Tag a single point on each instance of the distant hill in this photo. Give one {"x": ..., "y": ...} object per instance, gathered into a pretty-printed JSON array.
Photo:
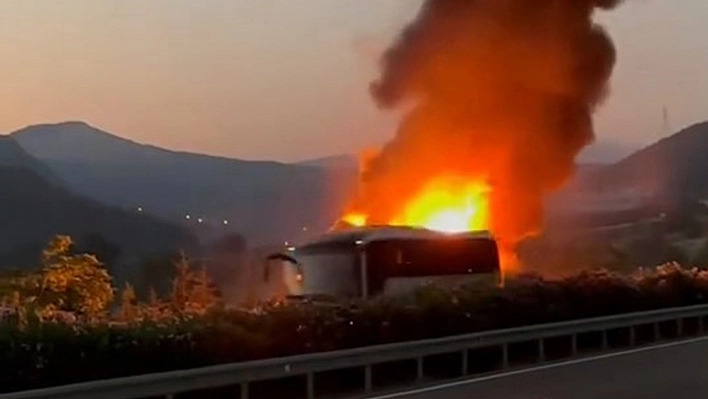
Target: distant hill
[
  {"x": 33, "y": 209},
  {"x": 35, "y": 205},
  {"x": 673, "y": 168},
  {"x": 265, "y": 201},
  {"x": 605, "y": 151},
  {"x": 13, "y": 155},
  {"x": 345, "y": 161},
  {"x": 668, "y": 176}
]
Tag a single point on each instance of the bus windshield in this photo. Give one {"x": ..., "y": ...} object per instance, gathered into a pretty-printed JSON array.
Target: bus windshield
[{"x": 330, "y": 273}]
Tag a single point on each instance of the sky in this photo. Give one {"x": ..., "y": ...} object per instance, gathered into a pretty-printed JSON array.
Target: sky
[{"x": 287, "y": 80}]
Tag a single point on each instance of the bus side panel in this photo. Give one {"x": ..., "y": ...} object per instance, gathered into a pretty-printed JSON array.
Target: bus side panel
[
  {"x": 400, "y": 263},
  {"x": 417, "y": 258}
]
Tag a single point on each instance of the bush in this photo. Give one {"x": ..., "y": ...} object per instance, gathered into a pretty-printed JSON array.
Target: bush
[{"x": 49, "y": 353}]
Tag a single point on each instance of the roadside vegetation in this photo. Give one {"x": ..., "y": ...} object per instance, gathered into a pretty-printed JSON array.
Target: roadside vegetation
[{"x": 66, "y": 322}]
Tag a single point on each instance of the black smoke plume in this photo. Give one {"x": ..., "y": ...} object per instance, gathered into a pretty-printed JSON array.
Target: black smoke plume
[{"x": 500, "y": 90}]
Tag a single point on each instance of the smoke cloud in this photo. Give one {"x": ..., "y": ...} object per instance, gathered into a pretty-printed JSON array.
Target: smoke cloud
[{"x": 500, "y": 90}]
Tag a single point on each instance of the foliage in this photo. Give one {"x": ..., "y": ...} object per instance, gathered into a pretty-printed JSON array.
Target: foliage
[
  {"x": 192, "y": 292},
  {"x": 12, "y": 281},
  {"x": 74, "y": 283},
  {"x": 129, "y": 309},
  {"x": 49, "y": 353},
  {"x": 67, "y": 285}
]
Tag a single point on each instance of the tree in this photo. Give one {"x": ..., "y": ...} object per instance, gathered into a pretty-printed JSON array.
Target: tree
[
  {"x": 73, "y": 282},
  {"x": 128, "y": 304},
  {"x": 204, "y": 293},
  {"x": 12, "y": 281},
  {"x": 192, "y": 292}
]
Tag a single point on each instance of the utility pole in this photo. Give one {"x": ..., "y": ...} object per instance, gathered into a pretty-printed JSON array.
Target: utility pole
[{"x": 666, "y": 129}]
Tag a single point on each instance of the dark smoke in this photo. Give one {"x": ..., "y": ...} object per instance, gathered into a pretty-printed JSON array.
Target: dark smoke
[{"x": 504, "y": 90}]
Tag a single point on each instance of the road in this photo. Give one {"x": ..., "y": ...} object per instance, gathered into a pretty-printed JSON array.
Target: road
[{"x": 669, "y": 371}]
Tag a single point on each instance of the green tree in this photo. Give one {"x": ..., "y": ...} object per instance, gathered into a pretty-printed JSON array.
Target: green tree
[
  {"x": 204, "y": 293},
  {"x": 12, "y": 281},
  {"x": 129, "y": 309},
  {"x": 76, "y": 283},
  {"x": 192, "y": 292},
  {"x": 153, "y": 298}
]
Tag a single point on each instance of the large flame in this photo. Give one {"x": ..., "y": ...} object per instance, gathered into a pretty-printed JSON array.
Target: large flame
[
  {"x": 356, "y": 219},
  {"x": 448, "y": 206},
  {"x": 451, "y": 205},
  {"x": 497, "y": 92}
]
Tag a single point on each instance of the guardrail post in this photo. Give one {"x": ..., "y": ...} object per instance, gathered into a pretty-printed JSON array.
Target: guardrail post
[
  {"x": 465, "y": 362},
  {"x": 657, "y": 331},
  {"x": 310, "y": 385},
  {"x": 505, "y": 356},
  {"x": 604, "y": 344},
  {"x": 541, "y": 351},
  {"x": 632, "y": 336},
  {"x": 574, "y": 344},
  {"x": 368, "y": 379},
  {"x": 244, "y": 390},
  {"x": 679, "y": 327},
  {"x": 419, "y": 368}
]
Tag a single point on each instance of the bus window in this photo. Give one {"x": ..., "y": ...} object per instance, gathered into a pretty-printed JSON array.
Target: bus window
[
  {"x": 398, "y": 266},
  {"x": 418, "y": 258},
  {"x": 330, "y": 273}
]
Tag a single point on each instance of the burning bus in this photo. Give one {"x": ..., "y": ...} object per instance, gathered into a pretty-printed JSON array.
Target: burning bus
[{"x": 372, "y": 261}]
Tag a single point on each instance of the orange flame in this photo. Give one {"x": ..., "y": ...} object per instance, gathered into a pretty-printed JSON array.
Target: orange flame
[
  {"x": 355, "y": 219},
  {"x": 449, "y": 206},
  {"x": 445, "y": 204}
]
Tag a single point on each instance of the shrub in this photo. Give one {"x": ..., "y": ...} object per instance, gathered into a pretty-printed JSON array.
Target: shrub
[{"x": 58, "y": 352}]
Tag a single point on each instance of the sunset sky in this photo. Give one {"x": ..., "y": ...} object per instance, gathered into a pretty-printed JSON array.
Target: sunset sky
[{"x": 285, "y": 79}]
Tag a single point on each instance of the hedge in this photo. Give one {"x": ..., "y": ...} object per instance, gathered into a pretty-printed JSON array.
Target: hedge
[{"x": 52, "y": 353}]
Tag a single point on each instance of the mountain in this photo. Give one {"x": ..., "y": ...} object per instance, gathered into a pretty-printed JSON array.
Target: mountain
[
  {"x": 345, "y": 161},
  {"x": 667, "y": 176},
  {"x": 13, "y": 155},
  {"x": 672, "y": 168},
  {"x": 265, "y": 201},
  {"x": 605, "y": 151},
  {"x": 33, "y": 209}
]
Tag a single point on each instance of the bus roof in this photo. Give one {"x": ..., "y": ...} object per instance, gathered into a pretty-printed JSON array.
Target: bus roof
[{"x": 365, "y": 235}]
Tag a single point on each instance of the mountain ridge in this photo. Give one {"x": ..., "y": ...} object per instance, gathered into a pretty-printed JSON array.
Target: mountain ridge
[
  {"x": 33, "y": 209},
  {"x": 670, "y": 167},
  {"x": 34, "y": 139},
  {"x": 264, "y": 200},
  {"x": 13, "y": 155}
]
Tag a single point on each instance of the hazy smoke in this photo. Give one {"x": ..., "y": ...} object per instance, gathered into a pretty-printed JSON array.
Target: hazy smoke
[{"x": 498, "y": 89}]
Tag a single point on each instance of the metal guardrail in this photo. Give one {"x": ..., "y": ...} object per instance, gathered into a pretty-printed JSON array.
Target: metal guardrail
[{"x": 168, "y": 384}]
